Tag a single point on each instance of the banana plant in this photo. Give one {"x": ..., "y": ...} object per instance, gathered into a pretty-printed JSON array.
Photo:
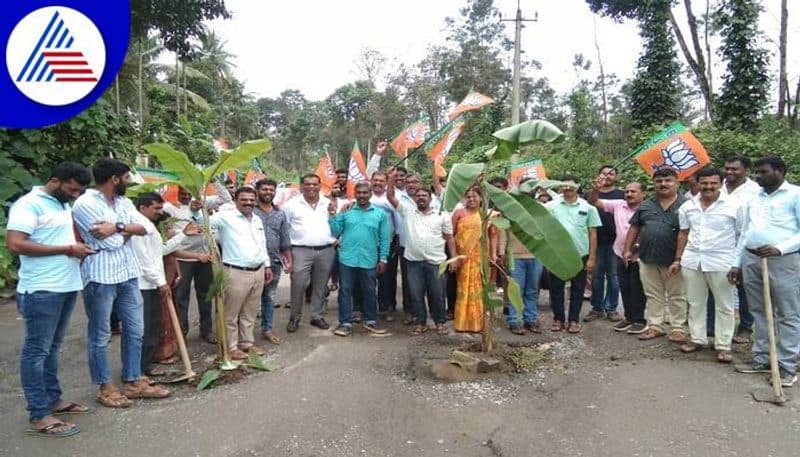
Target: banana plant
[
  {"x": 517, "y": 212},
  {"x": 195, "y": 181}
]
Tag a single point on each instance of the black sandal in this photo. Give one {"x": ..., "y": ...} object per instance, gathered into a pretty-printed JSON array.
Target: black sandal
[
  {"x": 74, "y": 408},
  {"x": 50, "y": 430}
]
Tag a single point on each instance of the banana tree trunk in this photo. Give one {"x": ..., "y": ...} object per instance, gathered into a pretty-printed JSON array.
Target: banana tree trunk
[
  {"x": 487, "y": 335},
  {"x": 219, "y": 302}
]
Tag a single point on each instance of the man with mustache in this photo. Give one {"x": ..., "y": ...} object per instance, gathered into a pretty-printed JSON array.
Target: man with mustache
[
  {"x": 387, "y": 281},
  {"x": 40, "y": 233},
  {"x": 363, "y": 232},
  {"x": 654, "y": 226},
  {"x": 771, "y": 229},
  {"x": 630, "y": 284},
  {"x": 106, "y": 220},
  {"x": 247, "y": 266}
]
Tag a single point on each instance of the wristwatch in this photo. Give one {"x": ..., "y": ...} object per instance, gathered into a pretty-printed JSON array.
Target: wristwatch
[{"x": 120, "y": 227}]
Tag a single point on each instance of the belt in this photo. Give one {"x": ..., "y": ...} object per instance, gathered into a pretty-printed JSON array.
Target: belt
[
  {"x": 237, "y": 267},
  {"x": 754, "y": 252},
  {"x": 313, "y": 248}
]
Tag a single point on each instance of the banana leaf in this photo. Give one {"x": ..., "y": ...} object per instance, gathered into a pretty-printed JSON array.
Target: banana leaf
[
  {"x": 461, "y": 177},
  {"x": 139, "y": 189},
  {"x": 240, "y": 157},
  {"x": 489, "y": 301},
  {"x": 511, "y": 138},
  {"x": 539, "y": 231},
  {"x": 208, "y": 378},
  {"x": 514, "y": 294},
  {"x": 177, "y": 162}
]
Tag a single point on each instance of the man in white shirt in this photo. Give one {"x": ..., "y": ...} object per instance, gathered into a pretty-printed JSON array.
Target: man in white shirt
[
  {"x": 196, "y": 268},
  {"x": 246, "y": 263},
  {"x": 313, "y": 251},
  {"x": 709, "y": 226},
  {"x": 150, "y": 250},
  {"x": 740, "y": 190}
]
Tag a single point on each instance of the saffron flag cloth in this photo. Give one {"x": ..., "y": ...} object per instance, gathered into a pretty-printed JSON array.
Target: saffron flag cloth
[
  {"x": 152, "y": 175},
  {"x": 530, "y": 170},
  {"x": 673, "y": 147},
  {"x": 445, "y": 141},
  {"x": 411, "y": 137},
  {"x": 472, "y": 101},
  {"x": 252, "y": 177},
  {"x": 326, "y": 173},
  {"x": 356, "y": 171}
]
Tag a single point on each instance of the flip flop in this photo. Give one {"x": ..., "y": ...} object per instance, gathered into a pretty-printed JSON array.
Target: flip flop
[
  {"x": 72, "y": 408},
  {"x": 49, "y": 431}
]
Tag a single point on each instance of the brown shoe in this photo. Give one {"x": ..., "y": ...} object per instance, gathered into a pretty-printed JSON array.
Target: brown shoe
[
  {"x": 574, "y": 327},
  {"x": 650, "y": 334},
  {"x": 678, "y": 336},
  {"x": 236, "y": 354},
  {"x": 110, "y": 397},
  {"x": 142, "y": 389},
  {"x": 592, "y": 316}
]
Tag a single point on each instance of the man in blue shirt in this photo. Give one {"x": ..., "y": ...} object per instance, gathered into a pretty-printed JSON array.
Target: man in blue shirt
[
  {"x": 363, "y": 233},
  {"x": 771, "y": 229},
  {"x": 40, "y": 232}
]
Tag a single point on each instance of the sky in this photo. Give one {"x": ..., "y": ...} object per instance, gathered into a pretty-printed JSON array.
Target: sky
[{"x": 313, "y": 45}]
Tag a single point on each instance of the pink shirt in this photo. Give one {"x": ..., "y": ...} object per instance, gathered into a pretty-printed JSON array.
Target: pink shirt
[{"x": 622, "y": 216}]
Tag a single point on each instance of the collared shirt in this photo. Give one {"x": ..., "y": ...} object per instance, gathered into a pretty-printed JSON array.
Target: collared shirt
[
  {"x": 114, "y": 261},
  {"x": 364, "y": 236},
  {"x": 382, "y": 202},
  {"x": 150, "y": 251},
  {"x": 621, "y": 213},
  {"x": 277, "y": 231},
  {"x": 742, "y": 194},
  {"x": 426, "y": 233},
  {"x": 577, "y": 217},
  {"x": 771, "y": 220},
  {"x": 185, "y": 214},
  {"x": 658, "y": 230},
  {"x": 243, "y": 241},
  {"x": 607, "y": 233},
  {"x": 46, "y": 221},
  {"x": 712, "y": 232},
  {"x": 410, "y": 204},
  {"x": 308, "y": 226}
]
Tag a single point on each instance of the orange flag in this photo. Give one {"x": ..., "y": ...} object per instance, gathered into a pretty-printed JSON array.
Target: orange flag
[
  {"x": 472, "y": 101},
  {"x": 326, "y": 173},
  {"x": 252, "y": 177},
  {"x": 532, "y": 169},
  {"x": 356, "y": 171},
  {"x": 443, "y": 145},
  {"x": 673, "y": 147},
  {"x": 412, "y": 137}
]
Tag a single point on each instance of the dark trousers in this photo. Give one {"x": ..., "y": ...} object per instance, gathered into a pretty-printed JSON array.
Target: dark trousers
[
  {"x": 633, "y": 298},
  {"x": 387, "y": 282},
  {"x": 449, "y": 284},
  {"x": 425, "y": 277},
  {"x": 408, "y": 301},
  {"x": 151, "y": 301},
  {"x": 363, "y": 279},
  {"x": 576, "y": 287},
  {"x": 202, "y": 275}
]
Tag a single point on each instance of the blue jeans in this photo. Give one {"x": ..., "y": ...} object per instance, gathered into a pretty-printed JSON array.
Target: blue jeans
[
  {"x": 126, "y": 299},
  {"x": 423, "y": 279},
  {"x": 605, "y": 282},
  {"x": 46, "y": 317},
  {"x": 527, "y": 273},
  {"x": 269, "y": 296},
  {"x": 366, "y": 280}
]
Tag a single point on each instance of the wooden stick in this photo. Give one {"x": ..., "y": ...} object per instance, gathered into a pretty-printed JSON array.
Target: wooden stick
[
  {"x": 187, "y": 364},
  {"x": 773, "y": 354}
]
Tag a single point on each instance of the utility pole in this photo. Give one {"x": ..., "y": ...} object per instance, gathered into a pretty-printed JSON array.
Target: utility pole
[{"x": 517, "y": 64}]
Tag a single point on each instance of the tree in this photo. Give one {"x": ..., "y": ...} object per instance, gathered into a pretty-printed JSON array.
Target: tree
[
  {"x": 784, "y": 95},
  {"x": 746, "y": 84},
  {"x": 697, "y": 62},
  {"x": 369, "y": 65},
  {"x": 176, "y": 21}
]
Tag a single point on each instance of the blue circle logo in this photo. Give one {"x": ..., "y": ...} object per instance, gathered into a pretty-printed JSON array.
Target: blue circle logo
[{"x": 59, "y": 58}]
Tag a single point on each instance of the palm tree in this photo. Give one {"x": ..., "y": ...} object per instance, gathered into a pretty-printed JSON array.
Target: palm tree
[{"x": 216, "y": 62}]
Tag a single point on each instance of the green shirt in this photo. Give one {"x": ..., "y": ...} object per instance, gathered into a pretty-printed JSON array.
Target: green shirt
[
  {"x": 363, "y": 236},
  {"x": 577, "y": 217}
]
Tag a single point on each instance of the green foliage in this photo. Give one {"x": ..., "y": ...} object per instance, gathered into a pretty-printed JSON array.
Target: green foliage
[
  {"x": 8, "y": 263},
  {"x": 523, "y": 134},
  {"x": 255, "y": 361},
  {"x": 176, "y": 21},
  {"x": 208, "y": 379},
  {"x": 514, "y": 294},
  {"x": 177, "y": 162},
  {"x": 461, "y": 177},
  {"x": 240, "y": 157},
  {"x": 744, "y": 95}
]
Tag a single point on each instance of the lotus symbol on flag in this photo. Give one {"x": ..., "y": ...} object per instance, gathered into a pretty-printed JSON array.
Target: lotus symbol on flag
[
  {"x": 531, "y": 173},
  {"x": 678, "y": 156}
]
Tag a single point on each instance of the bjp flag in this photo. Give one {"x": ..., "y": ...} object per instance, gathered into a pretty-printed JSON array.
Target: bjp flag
[
  {"x": 673, "y": 147},
  {"x": 447, "y": 138},
  {"x": 410, "y": 138},
  {"x": 169, "y": 192},
  {"x": 356, "y": 171},
  {"x": 472, "y": 101},
  {"x": 530, "y": 170},
  {"x": 326, "y": 173},
  {"x": 252, "y": 177}
]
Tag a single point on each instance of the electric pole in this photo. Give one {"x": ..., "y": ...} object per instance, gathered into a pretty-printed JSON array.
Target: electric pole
[{"x": 517, "y": 64}]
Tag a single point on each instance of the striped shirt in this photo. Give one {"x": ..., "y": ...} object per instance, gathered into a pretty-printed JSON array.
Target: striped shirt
[
  {"x": 46, "y": 221},
  {"x": 115, "y": 261}
]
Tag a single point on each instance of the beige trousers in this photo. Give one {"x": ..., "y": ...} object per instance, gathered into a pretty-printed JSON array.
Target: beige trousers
[
  {"x": 242, "y": 300},
  {"x": 698, "y": 284},
  {"x": 666, "y": 297}
]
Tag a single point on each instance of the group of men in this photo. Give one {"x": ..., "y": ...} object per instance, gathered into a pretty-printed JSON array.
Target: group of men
[{"x": 661, "y": 254}]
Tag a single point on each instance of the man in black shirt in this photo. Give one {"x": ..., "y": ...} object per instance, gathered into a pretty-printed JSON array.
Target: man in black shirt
[
  {"x": 655, "y": 225},
  {"x": 605, "y": 283}
]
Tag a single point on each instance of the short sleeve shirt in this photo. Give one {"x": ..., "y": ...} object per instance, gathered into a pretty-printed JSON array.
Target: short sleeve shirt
[
  {"x": 577, "y": 217},
  {"x": 658, "y": 230},
  {"x": 46, "y": 221}
]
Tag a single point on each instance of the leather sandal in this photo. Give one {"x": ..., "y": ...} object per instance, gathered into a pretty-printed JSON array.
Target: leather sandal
[
  {"x": 650, "y": 334},
  {"x": 724, "y": 356},
  {"x": 112, "y": 398},
  {"x": 557, "y": 326},
  {"x": 688, "y": 348}
]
